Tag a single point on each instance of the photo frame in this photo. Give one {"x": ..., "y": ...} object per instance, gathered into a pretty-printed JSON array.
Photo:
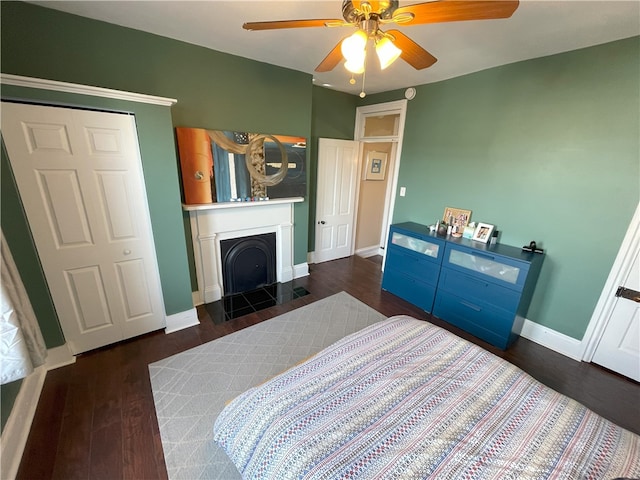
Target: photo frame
[
  {"x": 483, "y": 232},
  {"x": 456, "y": 217},
  {"x": 376, "y": 167}
]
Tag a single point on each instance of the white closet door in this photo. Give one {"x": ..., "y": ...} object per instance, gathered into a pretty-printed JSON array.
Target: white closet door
[{"x": 79, "y": 176}]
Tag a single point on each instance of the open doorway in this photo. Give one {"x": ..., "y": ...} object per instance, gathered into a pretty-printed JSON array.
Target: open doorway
[{"x": 379, "y": 130}]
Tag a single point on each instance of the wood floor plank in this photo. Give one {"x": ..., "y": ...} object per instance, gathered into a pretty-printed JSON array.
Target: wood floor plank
[
  {"x": 39, "y": 456},
  {"x": 96, "y": 418},
  {"x": 106, "y": 452}
]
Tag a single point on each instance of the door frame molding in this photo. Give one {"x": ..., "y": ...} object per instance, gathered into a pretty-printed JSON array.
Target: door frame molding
[
  {"x": 619, "y": 271},
  {"x": 386, "y": 108}
]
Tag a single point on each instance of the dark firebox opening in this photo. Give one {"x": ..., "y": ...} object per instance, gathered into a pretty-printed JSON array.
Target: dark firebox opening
[{"x": 248, "y": 262}]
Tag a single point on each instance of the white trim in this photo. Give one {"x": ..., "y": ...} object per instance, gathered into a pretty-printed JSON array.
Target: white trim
[
  {"x": 43, "y": 84},
  {"x": 556, "y": 341},
  {"x": 387, "y": 108},
  {"x": 311, "y": 258},
  {"x": 606, "y": 302},
  {"x": 59, "y": 357},
  {"x": 300, "y": 270},
  {"x": 16, "y": 431},
  {"x": 367, "y": 252},
  {"x": 182, "y": 320},
  {"x": 197, "y": 298},
  {"x": 221, "y": 205}
]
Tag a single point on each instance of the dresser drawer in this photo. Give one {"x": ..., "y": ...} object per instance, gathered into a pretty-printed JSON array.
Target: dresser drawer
[
  {"x": 478, "y": 290},
  {"x": 420, "y": 268},
  {"x": 490, "y": 324},
  {"x": 412, "y": 290},
  {"x": 489, "y": 266},
  {"x": 421, "y": 246}
]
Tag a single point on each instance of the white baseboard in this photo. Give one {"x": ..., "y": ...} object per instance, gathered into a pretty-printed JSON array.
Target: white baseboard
[
  {"x": 197, "y": 298},
  {"x": 367, "y": 252},
  {"x": 16, "y": 430},
  {"x": 556, "y": 341},
  {"x": 300, "y": 270},
  {"x": 181, "y": 320},
  {"x": 59, "y": 357}
]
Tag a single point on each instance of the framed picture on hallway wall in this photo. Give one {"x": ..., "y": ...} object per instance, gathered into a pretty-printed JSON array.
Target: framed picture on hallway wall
[{"x": 376, "y": 167}]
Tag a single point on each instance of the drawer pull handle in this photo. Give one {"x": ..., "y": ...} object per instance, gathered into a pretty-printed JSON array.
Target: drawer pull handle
[
  {"x": 484, "y": 255},
  {"x": 471, "y": 306},
  {"x": 479, "y": 282}
]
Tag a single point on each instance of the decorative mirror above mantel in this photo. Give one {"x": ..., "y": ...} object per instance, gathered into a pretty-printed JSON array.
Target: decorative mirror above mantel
[{"x": 228, "y": 167}]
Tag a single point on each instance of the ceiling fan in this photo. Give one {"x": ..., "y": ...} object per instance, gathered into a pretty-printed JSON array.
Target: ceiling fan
[{"x": 370, "y": 15}]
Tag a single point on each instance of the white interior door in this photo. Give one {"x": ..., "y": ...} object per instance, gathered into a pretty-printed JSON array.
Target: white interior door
[
  {"x": 79, "y": 176},
  {"x": 336, "y": 198},
  {"x": 619, "y": 347}
]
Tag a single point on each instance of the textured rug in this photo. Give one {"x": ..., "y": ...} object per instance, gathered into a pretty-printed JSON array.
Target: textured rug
[{"x": 191, "y": 388}]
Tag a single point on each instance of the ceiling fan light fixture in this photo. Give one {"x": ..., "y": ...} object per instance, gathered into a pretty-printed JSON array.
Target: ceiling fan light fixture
[
  {"x": 354, "y": 51},
  {"x": 354, "y": 45},
  {"x": 387, "y": 52},
  {"x": 355, "y": 65}
]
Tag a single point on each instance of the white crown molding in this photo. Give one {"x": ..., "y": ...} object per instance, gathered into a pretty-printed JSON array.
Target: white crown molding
[{"x": 43, "y": 84}]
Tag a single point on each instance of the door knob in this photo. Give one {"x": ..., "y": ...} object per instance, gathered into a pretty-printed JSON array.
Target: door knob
[
  {"x": 322, "y": 222},
  {"x": 126, "y": 251}
]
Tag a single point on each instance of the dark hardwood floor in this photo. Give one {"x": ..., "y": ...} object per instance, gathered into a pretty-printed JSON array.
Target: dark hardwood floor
[{"x": 96, "y": 418}]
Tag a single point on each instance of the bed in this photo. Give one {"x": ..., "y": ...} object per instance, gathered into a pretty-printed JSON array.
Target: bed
[{"x": 405, "y": 399}]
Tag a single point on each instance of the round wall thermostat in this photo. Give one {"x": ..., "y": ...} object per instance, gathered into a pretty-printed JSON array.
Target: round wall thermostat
[{"x": 410, "y": 93}]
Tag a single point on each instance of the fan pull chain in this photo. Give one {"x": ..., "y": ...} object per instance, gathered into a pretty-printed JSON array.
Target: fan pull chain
[{"x": 362, "y": 94}]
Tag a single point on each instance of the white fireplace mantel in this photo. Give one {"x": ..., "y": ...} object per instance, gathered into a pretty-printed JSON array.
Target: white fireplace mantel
[{"x": 212, "y": 223}]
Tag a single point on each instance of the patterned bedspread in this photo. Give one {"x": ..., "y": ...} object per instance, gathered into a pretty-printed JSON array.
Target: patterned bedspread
[{"x": 405, "y": 399}]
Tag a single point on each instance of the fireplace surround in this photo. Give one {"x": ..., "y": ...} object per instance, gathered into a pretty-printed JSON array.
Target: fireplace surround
[{"x": 212, "y": 223}]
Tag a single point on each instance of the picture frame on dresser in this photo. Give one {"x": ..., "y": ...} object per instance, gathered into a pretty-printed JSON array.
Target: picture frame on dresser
[
  {"x": 456, "y": 217},
  {"x": 482, "y": 232}
]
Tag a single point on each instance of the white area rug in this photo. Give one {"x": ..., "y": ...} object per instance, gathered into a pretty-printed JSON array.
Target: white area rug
[{"x": 191, "y": 388}]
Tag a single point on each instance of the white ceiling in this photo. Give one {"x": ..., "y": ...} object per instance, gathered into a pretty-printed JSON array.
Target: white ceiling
[{"x": 538, "y": 28}]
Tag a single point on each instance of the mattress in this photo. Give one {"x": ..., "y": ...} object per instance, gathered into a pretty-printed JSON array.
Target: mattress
[{"x": 406, "y": 399}]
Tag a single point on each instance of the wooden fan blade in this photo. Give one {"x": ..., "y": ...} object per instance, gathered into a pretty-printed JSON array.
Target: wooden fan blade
[
  {"x": 331, "y": 60},
  {"x": 458, "y": 10},
  {"x": 289, "y": 24},
  {"x": 412, "y": 53}
]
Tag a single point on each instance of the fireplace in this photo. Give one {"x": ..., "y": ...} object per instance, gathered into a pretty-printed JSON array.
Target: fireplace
[
  {"x": 248, "y": 263},
  {"x": 213, "y": 224}
]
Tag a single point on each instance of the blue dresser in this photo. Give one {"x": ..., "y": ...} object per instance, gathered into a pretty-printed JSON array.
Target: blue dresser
[
  {"x": 481, "y": 288},
  {"x": 413, "y": 262}
]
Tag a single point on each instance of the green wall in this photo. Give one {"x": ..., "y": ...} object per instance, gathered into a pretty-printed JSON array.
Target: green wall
[
  {"x": 547, "y": 150},
  {"x": 213, "y": 90}
]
